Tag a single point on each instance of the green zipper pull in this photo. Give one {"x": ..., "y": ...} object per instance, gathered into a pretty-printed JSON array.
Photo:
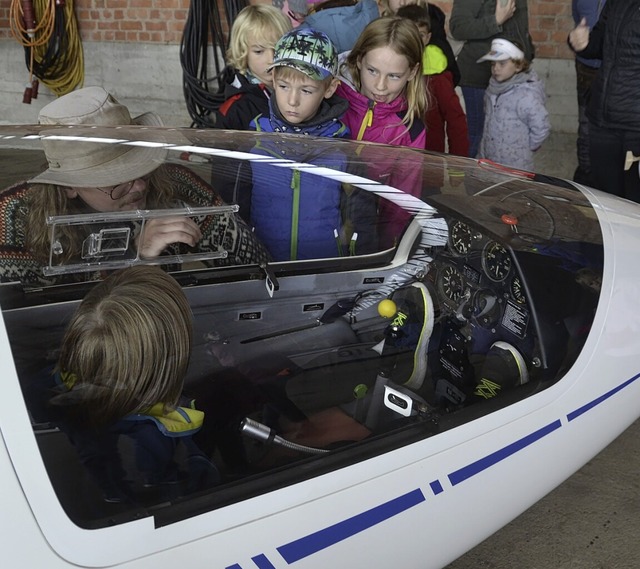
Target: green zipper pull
[{"x": 295, "y": 213}]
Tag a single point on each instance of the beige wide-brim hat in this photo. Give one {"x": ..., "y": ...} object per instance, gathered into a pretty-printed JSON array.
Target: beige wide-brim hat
[{"x": 80, "y": 164}]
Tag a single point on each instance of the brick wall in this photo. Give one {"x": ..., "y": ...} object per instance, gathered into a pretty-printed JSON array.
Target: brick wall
[
  {"x": 162, "y": 21},
  {"x": 149, "y": 21}
]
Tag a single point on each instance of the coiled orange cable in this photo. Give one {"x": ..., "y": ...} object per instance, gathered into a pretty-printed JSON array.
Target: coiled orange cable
[{"x": 64, "y": 78}]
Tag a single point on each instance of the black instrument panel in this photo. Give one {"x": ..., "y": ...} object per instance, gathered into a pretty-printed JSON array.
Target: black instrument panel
[
  {"x": 481, "y": 299},
  {"x": 476, "y": 269}
]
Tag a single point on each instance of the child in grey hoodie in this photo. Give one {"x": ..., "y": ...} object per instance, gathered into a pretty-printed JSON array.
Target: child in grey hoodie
[{"x": 517, "y": 122}]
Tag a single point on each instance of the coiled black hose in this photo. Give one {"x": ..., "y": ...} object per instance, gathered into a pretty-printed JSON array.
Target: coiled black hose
[{"x": 204, "y": 29}]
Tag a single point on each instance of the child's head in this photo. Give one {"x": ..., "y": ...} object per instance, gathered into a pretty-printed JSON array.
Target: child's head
[
  {"x": 128, "y": 345},
  {"x": 254, "y": 34},
  {"x": 419, "y": 15},
  {"x": 507, "y": 59},
  {"x": 385, "y": 64},
  {"x": 391, "y": 7},
  {"x": 305, "y": 63}
]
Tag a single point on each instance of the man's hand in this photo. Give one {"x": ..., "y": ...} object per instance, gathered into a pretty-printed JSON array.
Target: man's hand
[
  {"x": 161, "y": 232},
  {"x": 579, "y": 36},
  {"x": 504, "y": 10}
]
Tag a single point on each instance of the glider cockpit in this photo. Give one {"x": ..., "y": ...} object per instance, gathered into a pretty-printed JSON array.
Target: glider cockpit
[{"x": 298, "y": 366}]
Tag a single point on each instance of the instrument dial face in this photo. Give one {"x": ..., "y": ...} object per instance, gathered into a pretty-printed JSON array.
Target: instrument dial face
[
  {"x": 460, "y": 238},
  {"x": 496, "y": 261},
  {"x": 517, "y": 292},
  {"x": 451, "y": 283}
]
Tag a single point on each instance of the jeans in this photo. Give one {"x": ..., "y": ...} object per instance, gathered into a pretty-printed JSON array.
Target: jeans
[
  {"x": 607, "y": 151},
  {"x": 474, "y": 107},
  {"x": 584, "y": 77}
]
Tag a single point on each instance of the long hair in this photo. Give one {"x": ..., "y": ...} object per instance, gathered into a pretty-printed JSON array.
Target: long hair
[
  {"x": 402, "y": 36},
  {"x": 44, "y": 200},
  {"x": 127, "y": 346},
  {"x": 265, "y": 24}
]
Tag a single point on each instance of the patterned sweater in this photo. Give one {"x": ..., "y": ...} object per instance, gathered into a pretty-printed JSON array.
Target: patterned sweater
[{"x": 17, "y": 263}]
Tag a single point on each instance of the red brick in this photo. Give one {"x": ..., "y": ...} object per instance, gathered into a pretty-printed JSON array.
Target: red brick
[{"x": 162, "y": 21}]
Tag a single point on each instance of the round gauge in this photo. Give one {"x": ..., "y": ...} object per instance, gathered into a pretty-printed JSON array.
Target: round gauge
[
  {"x": 496, "y": 261},
  {"x": 517, "y": 292},
  {"x": 460, "y": 238},
  {"x": 451, "y": 283}
]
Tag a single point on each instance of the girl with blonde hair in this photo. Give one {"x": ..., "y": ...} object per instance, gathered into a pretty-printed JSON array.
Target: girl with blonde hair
[{"x": 382, "y": 80}]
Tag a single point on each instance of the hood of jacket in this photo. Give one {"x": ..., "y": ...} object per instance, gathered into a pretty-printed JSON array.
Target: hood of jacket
[
  {"x": 239, "y": 84},
  {"x": 343, "y": 24},
  {"x": 528, "y": 80}
]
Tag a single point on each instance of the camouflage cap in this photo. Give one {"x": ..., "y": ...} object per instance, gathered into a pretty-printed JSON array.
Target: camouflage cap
[{"x": 309, "y": 51}]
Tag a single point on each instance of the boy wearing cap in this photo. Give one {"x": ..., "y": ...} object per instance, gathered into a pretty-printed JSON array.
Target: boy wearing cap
[
  {"x": 294, "y": 213},
  {"x": 305, "y": 64},
  {"x": 517, "y": 121}
]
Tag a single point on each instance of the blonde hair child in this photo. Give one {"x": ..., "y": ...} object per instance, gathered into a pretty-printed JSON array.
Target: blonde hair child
[
  {"x": 255, "y": 30},
  {"x": 249, "y": 79},
  {"x": 127, "y": 347}
]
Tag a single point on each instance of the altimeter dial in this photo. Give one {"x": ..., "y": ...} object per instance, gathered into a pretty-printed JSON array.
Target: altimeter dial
[
  {"x": 496, "y": 261},
  {"x": 451, "y": 283},
  {"x": 460, "y": 238}
]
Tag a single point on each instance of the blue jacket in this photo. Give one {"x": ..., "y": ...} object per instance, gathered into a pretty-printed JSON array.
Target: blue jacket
[
  {"x": 294, "y": 212},
  {"x": 589, "y": 9},
  {"x": 343, "y": 24}
]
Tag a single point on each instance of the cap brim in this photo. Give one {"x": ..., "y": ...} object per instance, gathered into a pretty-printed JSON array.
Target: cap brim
[
  {"x": 148, "y": 119},
  {"x": 496, "y": 57}
]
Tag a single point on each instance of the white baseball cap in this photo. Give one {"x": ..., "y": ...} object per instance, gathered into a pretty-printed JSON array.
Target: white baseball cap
[{"x": 501, "y": 50}]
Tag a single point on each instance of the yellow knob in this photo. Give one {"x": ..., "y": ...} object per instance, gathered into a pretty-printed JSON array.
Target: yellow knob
[{"x": 387, "y": 308}]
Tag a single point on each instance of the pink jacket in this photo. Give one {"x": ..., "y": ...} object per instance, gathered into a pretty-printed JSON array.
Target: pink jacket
[{"x": 380, "y": 122}]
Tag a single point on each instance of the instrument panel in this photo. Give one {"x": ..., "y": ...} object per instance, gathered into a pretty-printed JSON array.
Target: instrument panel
[
  {"x": 481, "y": 298},
  {"x": 476, "y": 266}
]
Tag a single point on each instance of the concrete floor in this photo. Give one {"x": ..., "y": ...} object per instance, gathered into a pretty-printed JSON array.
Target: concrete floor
[
  {"x": 591, "y": 521},
  {"x": 557, "y": 157}
]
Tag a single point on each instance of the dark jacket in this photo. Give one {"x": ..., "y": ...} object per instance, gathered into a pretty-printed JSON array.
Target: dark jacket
[
  {"x": 243, "y": 101},
  {"x": 439, "y": 38},
  {"x": 474, "y": 22},
  {"x": 615, "y": 39}
]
